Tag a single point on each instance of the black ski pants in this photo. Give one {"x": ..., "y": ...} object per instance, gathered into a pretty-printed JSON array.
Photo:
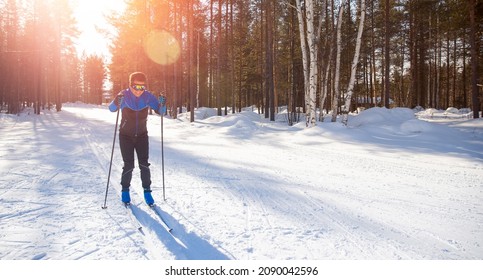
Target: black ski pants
[{"x": 128, "y": 145}]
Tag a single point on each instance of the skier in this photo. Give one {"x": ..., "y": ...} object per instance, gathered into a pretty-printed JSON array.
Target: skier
[{"x": 134, "y": 103}]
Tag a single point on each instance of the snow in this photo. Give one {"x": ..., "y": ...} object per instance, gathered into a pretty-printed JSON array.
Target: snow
[{"x": 394, "y": 184}]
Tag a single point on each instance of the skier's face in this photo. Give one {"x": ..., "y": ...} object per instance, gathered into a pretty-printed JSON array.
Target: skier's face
[{"x": 138, "y": 88}]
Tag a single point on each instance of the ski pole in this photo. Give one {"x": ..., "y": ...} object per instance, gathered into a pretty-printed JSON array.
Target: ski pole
[
  {"x": 112, "y": 153},
  {"x": 162, "y": 142},
  {"x": 162, "y": 155}
]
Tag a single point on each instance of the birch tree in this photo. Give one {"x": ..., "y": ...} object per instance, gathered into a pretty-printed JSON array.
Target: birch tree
[
  {"x": 303, "y": 46},
  {"x": 327, "y": 54},
  {"x": 335, "y": 97},
  {"x": 355, "y": 62},
  {"x": 309, "y": 44}
]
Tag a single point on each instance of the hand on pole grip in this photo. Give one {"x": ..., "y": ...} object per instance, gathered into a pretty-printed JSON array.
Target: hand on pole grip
[
  {"x": 119, "y": 98},
  {"x": 162, "y": 104},
  {"x": 162, "y": 100}
]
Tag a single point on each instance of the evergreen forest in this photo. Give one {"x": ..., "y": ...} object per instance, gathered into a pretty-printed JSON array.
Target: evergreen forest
[{"x": 308, "y": 58}]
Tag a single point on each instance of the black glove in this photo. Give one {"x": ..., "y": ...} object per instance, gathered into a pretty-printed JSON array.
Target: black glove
[{"x": 118, "y": 100}]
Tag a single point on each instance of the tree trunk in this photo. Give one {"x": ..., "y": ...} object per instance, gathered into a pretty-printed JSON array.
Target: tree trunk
[
  {"x": 309, "y": 42},
  {"x": 303, "y": 47},
  {"x": 474, "y": 60},
  {"x": 218, "y": 64},
  {"x": 313, "y": 52},
  {"x": 386, "y": 54},
  {"x": 355, "y": 61},
  {"x": 335, "y": 97},
  {"x": 269, "y": 86},
  {"x": 191, "y": 66}
]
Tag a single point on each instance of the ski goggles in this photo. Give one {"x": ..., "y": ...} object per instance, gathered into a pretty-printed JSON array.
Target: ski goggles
[{"x": 138, "y": 87}]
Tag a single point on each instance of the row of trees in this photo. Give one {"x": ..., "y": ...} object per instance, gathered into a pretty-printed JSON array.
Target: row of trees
[
  {"x": 310, "y": 56},
  {"x": 327, "y": 54},
  {"x": 40, "y": 66}
]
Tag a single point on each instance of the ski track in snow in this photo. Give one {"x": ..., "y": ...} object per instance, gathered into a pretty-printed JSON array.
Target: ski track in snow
[{"x": 239, "y": 187}]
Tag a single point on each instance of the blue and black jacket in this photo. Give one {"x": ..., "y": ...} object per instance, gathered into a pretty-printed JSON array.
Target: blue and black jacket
[{"x": 135, "y": 111}]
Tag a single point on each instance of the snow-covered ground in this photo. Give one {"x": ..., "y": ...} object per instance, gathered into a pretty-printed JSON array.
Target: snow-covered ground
[{"x": 393, "y": 185}]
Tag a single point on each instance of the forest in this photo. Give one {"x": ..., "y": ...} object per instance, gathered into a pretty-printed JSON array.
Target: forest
[{"x": 308, "y": 58}]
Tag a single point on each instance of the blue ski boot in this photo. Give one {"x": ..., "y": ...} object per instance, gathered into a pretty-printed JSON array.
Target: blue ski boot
[
  {"x": 148, "y": 198},
  {"x": 125, "y": 197}
]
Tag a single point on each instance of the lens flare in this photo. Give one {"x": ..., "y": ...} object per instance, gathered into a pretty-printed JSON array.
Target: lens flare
[{"x": 161, "y": 47}]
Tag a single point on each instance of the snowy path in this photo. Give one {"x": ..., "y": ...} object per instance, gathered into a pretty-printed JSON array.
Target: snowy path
[
  {"x": 238, "y": 187},
  {"x": 52, "y": 208}
]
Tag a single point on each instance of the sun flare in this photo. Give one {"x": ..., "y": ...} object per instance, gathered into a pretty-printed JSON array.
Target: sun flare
[{"x": 161, "y": 47}]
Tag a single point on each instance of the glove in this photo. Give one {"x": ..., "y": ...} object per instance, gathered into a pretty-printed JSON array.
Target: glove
[
  {"x": 162, "y": 100},
  {"x": 118, "y": 100},
  {"x": 162, "y": 104}
]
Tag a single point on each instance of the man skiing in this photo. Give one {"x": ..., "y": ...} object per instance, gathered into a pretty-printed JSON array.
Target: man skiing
[{"x": 134, "y": 103}]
